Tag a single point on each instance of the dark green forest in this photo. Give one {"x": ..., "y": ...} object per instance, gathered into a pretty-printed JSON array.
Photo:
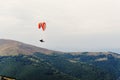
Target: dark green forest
[{"x": 57, "y": 66}]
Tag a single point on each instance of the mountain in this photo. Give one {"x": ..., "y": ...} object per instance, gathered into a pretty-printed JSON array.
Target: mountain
[
  {"x": 10, "y": 47},
  {"x": 27, "y": 62}
]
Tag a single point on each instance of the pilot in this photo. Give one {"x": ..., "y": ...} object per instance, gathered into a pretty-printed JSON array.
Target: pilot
[{"x": 42, "y": 40}]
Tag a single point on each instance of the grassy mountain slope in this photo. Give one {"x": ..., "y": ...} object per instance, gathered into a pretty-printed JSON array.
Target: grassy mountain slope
[{"x": 10, "y": 47}]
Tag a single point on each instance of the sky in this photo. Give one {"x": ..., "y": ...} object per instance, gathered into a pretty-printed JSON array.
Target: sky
[{"x": 72, "y": 25}]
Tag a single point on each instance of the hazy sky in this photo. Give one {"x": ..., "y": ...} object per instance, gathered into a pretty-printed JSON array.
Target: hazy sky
[{"x": 72, "y": 25}]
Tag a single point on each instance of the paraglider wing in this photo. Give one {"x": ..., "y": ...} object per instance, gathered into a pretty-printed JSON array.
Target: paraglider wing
[{"x": 43, "y": 25}]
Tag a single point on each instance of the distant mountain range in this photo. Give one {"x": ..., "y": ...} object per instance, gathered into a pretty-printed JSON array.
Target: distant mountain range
[{"x": 27, "y": 62}]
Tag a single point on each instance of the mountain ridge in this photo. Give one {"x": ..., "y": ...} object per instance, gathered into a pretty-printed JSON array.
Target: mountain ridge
[{"x": 12, "y": 47}]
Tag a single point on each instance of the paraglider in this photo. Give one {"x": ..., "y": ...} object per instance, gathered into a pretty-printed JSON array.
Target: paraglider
[{"x": 43, "y": 26}]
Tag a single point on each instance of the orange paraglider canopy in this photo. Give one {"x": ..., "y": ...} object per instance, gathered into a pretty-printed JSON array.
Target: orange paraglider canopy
[{"x": 42, "y": 25}]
